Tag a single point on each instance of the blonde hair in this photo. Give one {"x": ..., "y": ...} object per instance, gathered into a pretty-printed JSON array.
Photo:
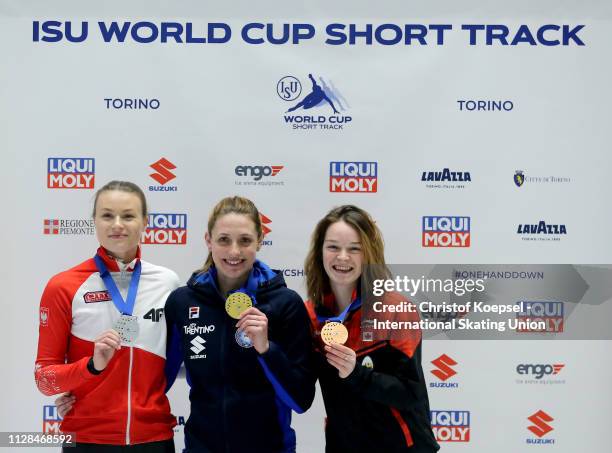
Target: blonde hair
[
  {"x": 229, "y": 205},
  {"x": 317, "y": 281}
]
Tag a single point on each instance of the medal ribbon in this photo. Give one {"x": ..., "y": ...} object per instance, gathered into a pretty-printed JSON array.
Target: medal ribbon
[
  {"x": 125, "y": 307},
  {"x": 342, "y": 316}
]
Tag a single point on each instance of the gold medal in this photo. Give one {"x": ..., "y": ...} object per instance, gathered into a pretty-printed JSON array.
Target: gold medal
[
  {"x": 334, "y": 332},
  {"x": 236, "y": 303}
]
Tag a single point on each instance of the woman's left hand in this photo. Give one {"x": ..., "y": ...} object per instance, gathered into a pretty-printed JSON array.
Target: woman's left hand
[
  {"x": 255, "y": 324},
  {"x": 342, "y": 358}
]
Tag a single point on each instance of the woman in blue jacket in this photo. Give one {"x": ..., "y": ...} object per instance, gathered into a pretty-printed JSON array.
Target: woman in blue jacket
[{"x": 245, "y": 340}]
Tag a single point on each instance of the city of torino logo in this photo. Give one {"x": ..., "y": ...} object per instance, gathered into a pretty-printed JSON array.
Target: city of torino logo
[
  {"x": 443, "y": 365},
  {"x": 519, "y": 178},
  {"x": 540, "y": 425}
]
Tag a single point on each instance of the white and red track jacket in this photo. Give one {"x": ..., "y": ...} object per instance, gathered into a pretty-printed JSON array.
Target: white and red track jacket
[{"x": 126, "y": 403}]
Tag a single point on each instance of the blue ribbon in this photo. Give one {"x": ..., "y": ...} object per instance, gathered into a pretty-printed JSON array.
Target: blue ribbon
[
  {"x": 342, "y": 316},
  {"x": 124, "y": 307}
]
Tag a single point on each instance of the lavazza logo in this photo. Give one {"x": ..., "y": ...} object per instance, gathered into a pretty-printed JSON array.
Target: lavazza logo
[
  {"x": 258, "y": 175},
  {"x": 316, "y": 104},
  {"x": 69, "y": 227},
  {"x": 539, "y": 373},
  {"x": 522, "y": 177},
  {"x": 541, "y": 231},
  {"x": 71, "y": 173},
  {"x": 446, "y": 179}
]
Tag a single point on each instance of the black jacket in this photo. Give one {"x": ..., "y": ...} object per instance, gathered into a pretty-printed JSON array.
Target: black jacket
[
  {"x": 382, "y": 406},
  {"x": 241, "y": 401}
]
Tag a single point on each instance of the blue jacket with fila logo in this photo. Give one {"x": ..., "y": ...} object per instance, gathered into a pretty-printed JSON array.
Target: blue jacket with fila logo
[{"x": 241, "y": 400}]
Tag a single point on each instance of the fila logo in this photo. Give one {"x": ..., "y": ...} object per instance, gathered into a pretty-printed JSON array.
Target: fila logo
[
  {"x": 264, "y": 224},
  {"x": 197, "y": 344},
  {"x": 540, "y": 426},
  {"x": 194, "y": 312},
  {"x": 163, "y": 167},
  {"x": 444, "y": 371}
]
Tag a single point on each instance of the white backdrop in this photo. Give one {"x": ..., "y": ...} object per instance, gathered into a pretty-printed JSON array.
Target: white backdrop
[{"x": 215, "y": 107}]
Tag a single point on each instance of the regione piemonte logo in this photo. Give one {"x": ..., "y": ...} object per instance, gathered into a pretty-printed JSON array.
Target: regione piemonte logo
[
  {"x": 70, "y": 173},
  {"x": 51, "y": 226}
]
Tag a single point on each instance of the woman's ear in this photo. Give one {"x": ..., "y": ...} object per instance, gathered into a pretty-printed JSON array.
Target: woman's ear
[{"x": 208, "y": 241}]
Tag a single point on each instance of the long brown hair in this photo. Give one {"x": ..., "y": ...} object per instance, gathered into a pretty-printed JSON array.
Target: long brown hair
[
  {"x": 229, "y": 205},
  {"x": 317, "y": 281}
]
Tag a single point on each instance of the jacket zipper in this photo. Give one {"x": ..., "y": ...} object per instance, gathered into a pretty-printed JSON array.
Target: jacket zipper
[{"x": 129, "y": 399}]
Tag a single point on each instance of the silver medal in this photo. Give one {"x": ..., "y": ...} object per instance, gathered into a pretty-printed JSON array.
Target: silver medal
[{"x": 127, "y": 328}]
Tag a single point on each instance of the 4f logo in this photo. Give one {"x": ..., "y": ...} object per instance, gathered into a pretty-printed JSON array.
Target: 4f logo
[
  {"x": 163, "y": 167},
  {"x": 154, "y": 314}
]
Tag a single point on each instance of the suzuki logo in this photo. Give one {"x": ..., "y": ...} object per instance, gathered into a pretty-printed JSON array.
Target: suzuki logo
[
  {"x": 197, "y": 343},
  {"x": 163, "y": 167},
  {"x": 539, "y": 420},
  {"x": 264, "y": 224},
  {"x": 444, "y": 371}
]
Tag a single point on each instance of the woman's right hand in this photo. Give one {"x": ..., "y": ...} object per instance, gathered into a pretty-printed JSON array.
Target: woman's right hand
[
  {"x": 104, "y": 349},
  {"x": 64, "y": 403}
]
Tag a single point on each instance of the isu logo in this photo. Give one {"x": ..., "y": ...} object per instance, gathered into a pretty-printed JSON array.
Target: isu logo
[
  {"x": 444, "y": 370},
  {"x": 540, "y": 425},
  {"x": 163, "y": 167}
]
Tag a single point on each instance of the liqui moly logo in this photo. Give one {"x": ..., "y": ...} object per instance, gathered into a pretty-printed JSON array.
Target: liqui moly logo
[
  {"x": 70, "y": 173},
  {"x": 166, "y": 229},
  {"x": 451, "y": 426},
  {"x": 550, "y": 313},
  {"x": 446, "y": 231},
  {"x": 51, "y": 420},
  {"x": 353, "y": 177}
]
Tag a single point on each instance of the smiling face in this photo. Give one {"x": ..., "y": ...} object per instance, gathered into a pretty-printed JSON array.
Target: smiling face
[
  {"x": 233, "y": 243},
  {"x": 342, "y": 255},
  {"x": 119, "y": 223}
]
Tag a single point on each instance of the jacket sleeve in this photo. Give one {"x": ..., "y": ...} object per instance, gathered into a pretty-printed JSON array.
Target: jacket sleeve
[
  {"x": 402, "y": 386},
  {"x": 289, "y": 363},
  {"x": 51, "y": 372},
  {"x": 174, "y": 352}
]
